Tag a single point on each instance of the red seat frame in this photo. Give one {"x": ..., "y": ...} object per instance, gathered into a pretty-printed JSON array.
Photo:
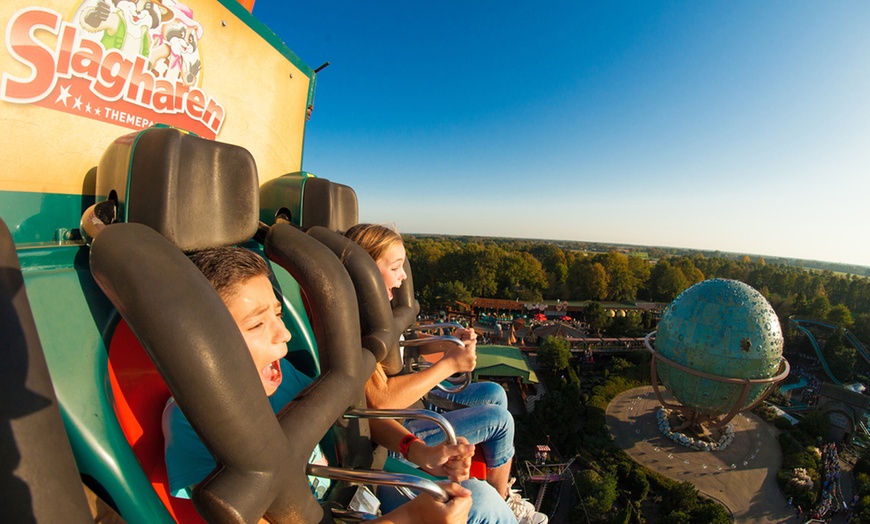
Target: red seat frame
[{"x": 140, "y": 395}]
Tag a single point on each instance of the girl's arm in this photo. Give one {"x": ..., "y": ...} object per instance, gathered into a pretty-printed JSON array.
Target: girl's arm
[
  {"x": 444, "y": 460},
  {"x": 401, "y": 391}
]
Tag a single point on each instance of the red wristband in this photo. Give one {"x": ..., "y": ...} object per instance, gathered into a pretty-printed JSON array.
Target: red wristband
[{"x": 405, "y": 443}]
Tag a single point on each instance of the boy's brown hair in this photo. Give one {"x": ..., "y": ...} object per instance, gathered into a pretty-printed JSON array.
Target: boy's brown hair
[{"x": 227, "y": 267}]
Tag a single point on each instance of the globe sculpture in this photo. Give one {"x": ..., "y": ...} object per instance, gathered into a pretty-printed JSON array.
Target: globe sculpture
[{"x": 718, "y": 350}]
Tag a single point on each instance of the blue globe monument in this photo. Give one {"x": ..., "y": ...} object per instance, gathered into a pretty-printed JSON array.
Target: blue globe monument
[{"x": 718, "y": 351}]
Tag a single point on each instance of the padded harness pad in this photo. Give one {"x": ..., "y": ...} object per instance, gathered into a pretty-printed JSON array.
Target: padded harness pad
[
  {"x": 39, "y": 481},
  {"x": 206, "y": 365}
]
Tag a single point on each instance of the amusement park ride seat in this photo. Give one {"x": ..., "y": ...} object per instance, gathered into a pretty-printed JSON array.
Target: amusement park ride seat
[
  {"x": 171, "y": 192},
  {"x": 289, "y": 199}
]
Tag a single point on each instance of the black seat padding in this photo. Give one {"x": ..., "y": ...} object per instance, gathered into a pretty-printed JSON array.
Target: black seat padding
[
  {"x": 261, "y": 461},
  {"x": 39, "y": 481},
  {"x": 405, "y": 311},
  {"x": 376, "y": 318},
  {"x": 330, "y": 300}
]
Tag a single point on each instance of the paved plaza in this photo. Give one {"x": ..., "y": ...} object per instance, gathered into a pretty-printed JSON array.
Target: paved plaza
[{"x": 742, "y": 477}]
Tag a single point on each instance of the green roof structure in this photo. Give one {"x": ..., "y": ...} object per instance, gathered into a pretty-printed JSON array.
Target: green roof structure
[{"x": 503, "y": 361}]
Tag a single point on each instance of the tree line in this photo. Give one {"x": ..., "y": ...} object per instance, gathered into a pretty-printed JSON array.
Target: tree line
[{"x": 447, "y": 270}]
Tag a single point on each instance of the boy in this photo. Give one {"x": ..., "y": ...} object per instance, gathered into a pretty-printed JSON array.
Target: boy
[{"x": 241, "y": 279}]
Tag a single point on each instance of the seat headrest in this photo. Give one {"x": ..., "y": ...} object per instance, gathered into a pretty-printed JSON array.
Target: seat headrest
[
  {"x": 198, "y": 193},
  {"x": 309, "y": 202}
]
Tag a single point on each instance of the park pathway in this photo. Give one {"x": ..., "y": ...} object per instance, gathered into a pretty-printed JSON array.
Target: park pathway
[{"x": 742, "y": 477}]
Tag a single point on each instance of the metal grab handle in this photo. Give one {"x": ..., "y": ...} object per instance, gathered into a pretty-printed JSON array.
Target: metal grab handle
[
  {"x": 437, "y": 418},
  {"x": 414, "y": 342},
  {"x": 464, "y": 379},
  {"x": 457, "y": 378},
  {"x": 436, "y": 325},
  {"x": 379, "y": 478}
]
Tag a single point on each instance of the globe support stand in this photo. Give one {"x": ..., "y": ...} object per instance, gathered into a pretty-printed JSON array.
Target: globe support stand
[{"x": 695, "y": 418}]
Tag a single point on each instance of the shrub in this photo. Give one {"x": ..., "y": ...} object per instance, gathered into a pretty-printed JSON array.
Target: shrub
[
  {"x": 638, "y": 484},
  {"x": 782, "y": 423},
  {"x": 682, "y": 497},
  {"x": 766, "y": 413},
  {"x": 599, "y": 490},
  {"x": 710, "y": 512},
  {"x": 677, "y": 517}
]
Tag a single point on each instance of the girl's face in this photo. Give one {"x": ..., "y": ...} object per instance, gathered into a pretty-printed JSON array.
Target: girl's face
[{"x": 391, "y": 264}]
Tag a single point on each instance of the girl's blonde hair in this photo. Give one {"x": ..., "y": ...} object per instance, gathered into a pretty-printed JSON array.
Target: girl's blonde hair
[{"x": 374, "y": 238}]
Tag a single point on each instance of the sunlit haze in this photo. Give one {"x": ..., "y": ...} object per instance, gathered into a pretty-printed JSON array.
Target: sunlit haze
[{"x": 739, "y": 126}]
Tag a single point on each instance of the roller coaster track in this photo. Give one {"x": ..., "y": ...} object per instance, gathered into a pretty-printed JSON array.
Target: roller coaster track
[{"x": 859, "y": 346}]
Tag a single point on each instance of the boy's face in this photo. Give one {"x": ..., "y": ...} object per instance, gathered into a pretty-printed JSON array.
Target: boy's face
[
  {"x": 392, "y": 267},
  {"x": 258, "y": 314}
]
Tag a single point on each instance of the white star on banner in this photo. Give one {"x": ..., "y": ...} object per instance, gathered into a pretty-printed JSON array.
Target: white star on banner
[{"x": 64, "y": 94}]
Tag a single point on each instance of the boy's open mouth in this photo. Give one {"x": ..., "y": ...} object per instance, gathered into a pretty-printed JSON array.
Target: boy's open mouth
[{"x": 272, "y": 373}]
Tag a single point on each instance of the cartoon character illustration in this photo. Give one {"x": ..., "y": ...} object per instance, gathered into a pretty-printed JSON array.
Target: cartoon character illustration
[
  {"x": 125, "y": 24},
  {"x": 176, "y": 51}
]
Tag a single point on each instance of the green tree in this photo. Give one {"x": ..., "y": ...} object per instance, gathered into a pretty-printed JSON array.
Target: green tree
[
  {"x": 640, "y": 266},
  {"x": 599, "y": 491},
  {"x": 840, "y": 316},
  {"x": 446, "y": 294},
  {"x": 592, "y": 281},
  {"x": 677, "y": 517},
  {"x": 555, "y": 264},
  {"x": 596, "y": 317},
  {"x": 623, "y": 286},
  {"x": 667, "y": 279},
  {"x": 638, "y": 484},
  {"x": 818, "y": 307},
  {"x": 682, "y": 496},
  {"x": 558, "y": 414},
  {"x": 671, "y": 283},
  {"x": 816, "y": 424},
  {"x": 841, "y": 358},
  {"x": 687, "y": 268},
  {"x": 711, "y": 512},
  {"x": 555, "y": 353},
  {"x": 520, "y": 271},
  {"x": 476, "y": 266},
  {"x": 629, "y": 325},
  {"x": 861, "y": 327}
]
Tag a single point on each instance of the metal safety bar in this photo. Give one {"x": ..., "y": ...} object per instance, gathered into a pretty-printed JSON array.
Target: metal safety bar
[
  {"x": 432, "y": 416},
  {"x": 463, "y": 379},
  {"x": 380, "y": 478}
]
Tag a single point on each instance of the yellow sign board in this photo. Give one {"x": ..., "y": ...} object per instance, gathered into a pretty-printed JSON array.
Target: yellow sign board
[{"x": 75, "y": 75}]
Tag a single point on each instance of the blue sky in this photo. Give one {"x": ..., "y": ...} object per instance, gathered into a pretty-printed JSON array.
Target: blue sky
[{"x": 740, "y": 126}]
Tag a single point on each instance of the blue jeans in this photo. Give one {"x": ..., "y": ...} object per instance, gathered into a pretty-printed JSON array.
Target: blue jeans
[
  {"x": 477, "y": 393},
  {"x": 486, "y": 422},
  {"x": 486, "y": 506}
]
